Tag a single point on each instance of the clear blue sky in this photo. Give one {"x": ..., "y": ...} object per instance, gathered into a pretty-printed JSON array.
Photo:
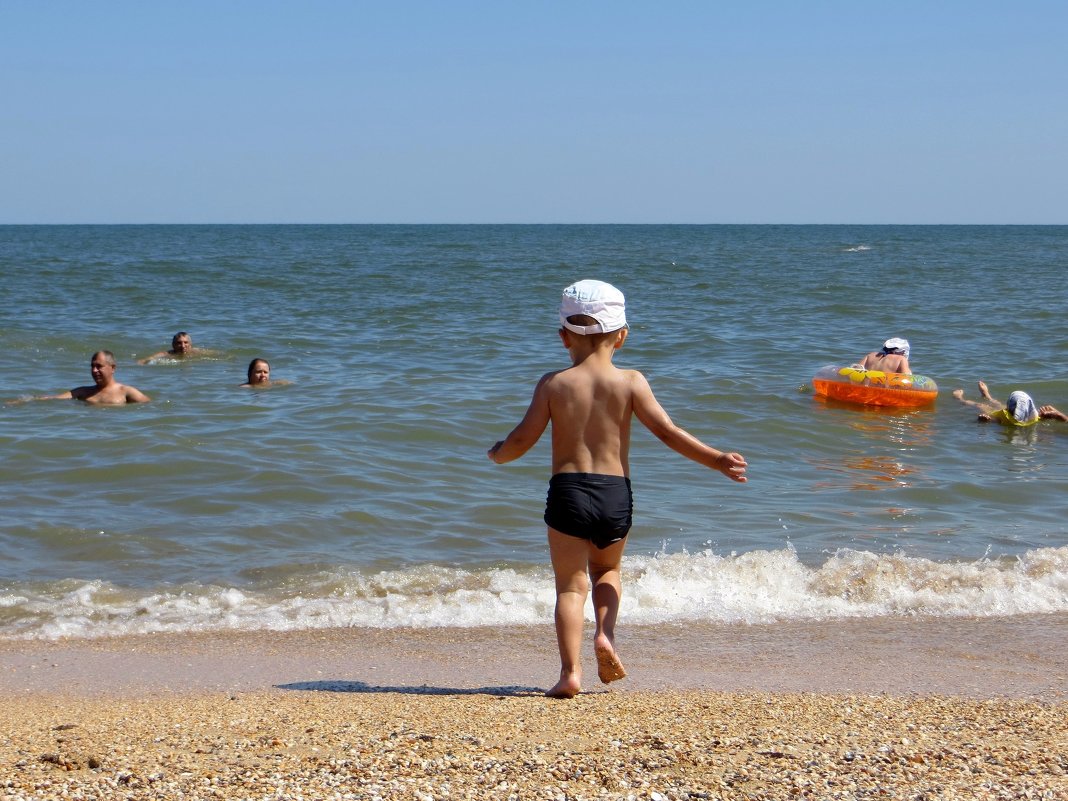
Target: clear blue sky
[{"x": 451, "y": 111}]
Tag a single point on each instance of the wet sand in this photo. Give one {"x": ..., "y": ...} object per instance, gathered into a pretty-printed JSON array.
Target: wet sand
[
  {"x": 1023, "y": 656},
  {"x": 932, "y": 709}
]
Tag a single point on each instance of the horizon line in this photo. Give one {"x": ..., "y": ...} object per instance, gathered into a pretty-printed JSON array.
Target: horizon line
[{"x": 459, "y": 224}]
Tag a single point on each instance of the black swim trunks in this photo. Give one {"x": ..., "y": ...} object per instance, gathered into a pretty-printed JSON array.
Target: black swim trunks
[{"x": 590, "y": 506}]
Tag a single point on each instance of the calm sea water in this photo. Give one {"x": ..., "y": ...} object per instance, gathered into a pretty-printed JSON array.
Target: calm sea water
[{"x": 360, "y": 494}]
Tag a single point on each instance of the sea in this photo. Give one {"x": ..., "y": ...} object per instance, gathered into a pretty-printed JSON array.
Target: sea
[{"x": 359, "y": 493}]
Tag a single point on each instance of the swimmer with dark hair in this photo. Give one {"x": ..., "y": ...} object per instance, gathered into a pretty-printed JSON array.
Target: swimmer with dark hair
[
  {"x": 892, "y": 358},
  {"x": 259, "y": 375}
]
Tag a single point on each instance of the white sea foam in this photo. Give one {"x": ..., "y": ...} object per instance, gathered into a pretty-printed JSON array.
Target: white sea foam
[{"x": 754, "y": 587}]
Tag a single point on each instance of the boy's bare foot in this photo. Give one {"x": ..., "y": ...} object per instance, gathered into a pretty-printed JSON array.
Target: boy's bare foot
[
  {"x": 958, "y": 394},
  {"x": 609, "y": 668},
  {"x": 567, "y": 687},
  {"x": 984, "y": 391}
]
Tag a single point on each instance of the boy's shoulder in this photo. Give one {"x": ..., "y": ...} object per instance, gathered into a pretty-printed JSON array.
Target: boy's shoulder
[{"x": 588, "y": 373}]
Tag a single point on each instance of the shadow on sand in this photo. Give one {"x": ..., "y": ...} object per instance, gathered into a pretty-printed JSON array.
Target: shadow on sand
[{"x": 423, "y": 689}]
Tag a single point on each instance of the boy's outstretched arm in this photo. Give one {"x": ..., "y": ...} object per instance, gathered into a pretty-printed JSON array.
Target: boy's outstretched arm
[
  {"x": 652, "y": 416},
  {"x": 530, "y": 428}
]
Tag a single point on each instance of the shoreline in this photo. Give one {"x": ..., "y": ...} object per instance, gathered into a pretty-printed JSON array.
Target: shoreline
[
  {"x": 1021, "y": 657},
  {"x": 888, "y": 709}
]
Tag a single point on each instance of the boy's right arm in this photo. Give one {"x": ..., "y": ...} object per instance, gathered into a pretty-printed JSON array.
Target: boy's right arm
[
  {"x": 652, "y": 416},
  {"x": 530, "y": 428}
]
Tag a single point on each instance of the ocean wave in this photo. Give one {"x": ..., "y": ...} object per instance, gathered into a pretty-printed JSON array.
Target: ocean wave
[{"x": 753, "y": 587}]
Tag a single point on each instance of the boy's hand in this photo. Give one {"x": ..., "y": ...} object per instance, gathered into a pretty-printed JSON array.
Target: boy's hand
[{"x": 732, "y": 465}]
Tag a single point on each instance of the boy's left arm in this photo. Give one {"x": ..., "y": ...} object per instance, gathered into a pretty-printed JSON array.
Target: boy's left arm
[
  {"x": 530, "y": 428},
  {"x": 652, "y": 415}
]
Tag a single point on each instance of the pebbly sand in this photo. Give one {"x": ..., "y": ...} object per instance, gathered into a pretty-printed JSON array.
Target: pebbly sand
[{"x": 871, "y": 709}]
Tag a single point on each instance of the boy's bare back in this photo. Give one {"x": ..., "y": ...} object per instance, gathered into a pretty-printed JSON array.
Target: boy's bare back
[{"x": 591, "y": 405}]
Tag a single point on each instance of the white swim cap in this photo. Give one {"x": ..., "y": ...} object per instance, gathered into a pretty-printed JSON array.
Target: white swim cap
[{"x": 1022, "y": 407}]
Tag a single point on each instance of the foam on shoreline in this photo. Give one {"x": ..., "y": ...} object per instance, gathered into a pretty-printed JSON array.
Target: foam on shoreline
[{"x": 677, "y": 588}]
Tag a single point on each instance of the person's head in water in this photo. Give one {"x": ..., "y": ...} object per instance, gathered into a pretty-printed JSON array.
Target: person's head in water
[
  {"x": 102, "y": 367},
  {"x": 259, "y": 372},
  {"x": 1022, "y": 407},
  {"x": 182, "y": 343}
]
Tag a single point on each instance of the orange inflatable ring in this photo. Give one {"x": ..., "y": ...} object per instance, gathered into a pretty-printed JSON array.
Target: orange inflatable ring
[{"x": 874, "y": 387}]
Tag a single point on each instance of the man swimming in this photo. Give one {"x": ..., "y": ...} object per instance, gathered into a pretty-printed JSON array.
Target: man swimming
[
  {"x": 105, "y": 389},
  {"x": 181, "y": 347}
]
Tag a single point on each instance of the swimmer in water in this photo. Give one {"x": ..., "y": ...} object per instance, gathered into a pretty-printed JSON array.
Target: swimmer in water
[
  {"x": 181, "y": 348},
  {"x": 893, "y": 358},
  {"x": 1020, "y": 410},
  {"x": 105, "y": 390},
  {"x": 259, "y": 375}
]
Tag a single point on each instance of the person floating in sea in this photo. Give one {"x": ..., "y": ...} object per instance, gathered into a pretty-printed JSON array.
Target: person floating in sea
[
  {"x": 893, "y": 358},
  {"x": 589, "y": 505},
  {"x": 1020, "y": 410},
  {"x": 105, "y": 389},
  {"x": 259, "y": 375},
  {"x": 181, "y": 348}
]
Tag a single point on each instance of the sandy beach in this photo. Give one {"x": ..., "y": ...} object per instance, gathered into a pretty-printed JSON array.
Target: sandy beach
[
  {"x": 893, "y": 709},
  {"x": 511, "y": 744}
]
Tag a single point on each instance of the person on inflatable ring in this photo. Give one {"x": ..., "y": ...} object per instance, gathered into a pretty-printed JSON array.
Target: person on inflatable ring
[
  {"x": 893, "y": 358},
  {"x": 1019, "y": 411}
]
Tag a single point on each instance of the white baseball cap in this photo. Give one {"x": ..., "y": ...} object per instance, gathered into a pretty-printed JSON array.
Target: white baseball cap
[
  {"x": 897, "y": 344},
  {"x": 596, "y": 299}
]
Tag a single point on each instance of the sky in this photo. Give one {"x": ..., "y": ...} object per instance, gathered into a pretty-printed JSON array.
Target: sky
[{"x": 750, "y": 111}]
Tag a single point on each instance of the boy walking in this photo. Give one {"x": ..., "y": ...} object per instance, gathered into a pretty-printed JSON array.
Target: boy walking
[{"x": 589, "y": 504}]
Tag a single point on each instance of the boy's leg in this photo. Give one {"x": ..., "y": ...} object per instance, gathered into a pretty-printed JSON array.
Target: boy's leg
[
  {"x": 604, "y": 564},
  {"x": 569, "y": 556}
]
